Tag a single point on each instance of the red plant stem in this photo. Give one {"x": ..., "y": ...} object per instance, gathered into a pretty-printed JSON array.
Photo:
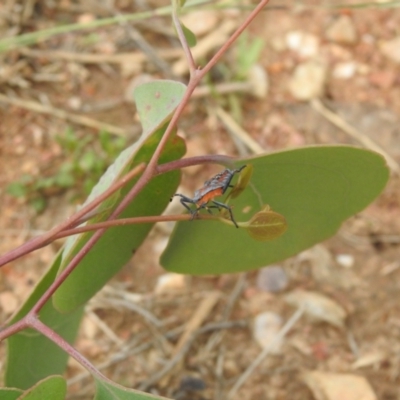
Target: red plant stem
[
  {"x": 151, "y": 219},
  {"x": 195, "y": 77},
  {"x": 36, "y": 324},
  {"x": 31, "y": 319},
  {"x": 13, "y": 329},
  {"x": 75, "y": 219}
]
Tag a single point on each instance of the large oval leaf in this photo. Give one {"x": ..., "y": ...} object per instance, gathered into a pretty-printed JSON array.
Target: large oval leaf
[{"x": 314, "y": 188}]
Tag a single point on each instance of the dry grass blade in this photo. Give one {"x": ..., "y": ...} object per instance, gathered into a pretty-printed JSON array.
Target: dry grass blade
[
  {"x": 87, "y": 58},
  {"x": 236, "y": 130},
  {"x": 285, "y": 329},
  {"x": 56, "y": 112}
]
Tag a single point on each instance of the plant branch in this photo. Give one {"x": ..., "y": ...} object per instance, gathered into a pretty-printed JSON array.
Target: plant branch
[
  {"x": 195, "y": 77},
  {"x": 152, "y": 169},
  {"x": 13, "y": 329},
  {"x": 233, "y": 37},
  {"x": 36, "y": 324},
  {"x": 74, "y": 220}
]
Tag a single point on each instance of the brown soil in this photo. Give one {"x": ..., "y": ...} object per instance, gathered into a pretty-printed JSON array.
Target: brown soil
[{"x": 369, "y": 289}]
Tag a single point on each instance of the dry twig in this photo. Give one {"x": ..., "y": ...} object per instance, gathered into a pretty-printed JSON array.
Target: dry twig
[{"x": 56, "y": 112}]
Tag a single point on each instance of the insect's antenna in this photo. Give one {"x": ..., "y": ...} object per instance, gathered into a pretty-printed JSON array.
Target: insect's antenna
[{"x": 236, "y": 171}]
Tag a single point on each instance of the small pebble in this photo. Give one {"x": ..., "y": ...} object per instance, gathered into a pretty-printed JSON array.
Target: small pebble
[
  {"x": 265, "y": 330},
  {"x": 342, "y": 30},
  {"x": 345, "y": 260},
  {"x": 308, "y": 80},
  {"x": 272, "y": 279},
  {"x": 344, "y": 70},
  {"x": 304, "y": 44}
]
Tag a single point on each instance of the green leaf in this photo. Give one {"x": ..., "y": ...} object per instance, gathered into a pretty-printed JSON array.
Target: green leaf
[
  {"x": 243, "y": 181},
  {"x": 118, "y": 244},
  {"x": 266, "y": 225},
  {"x": 189, "y": 36},
  {"x": 156, "y": 101},
  {"x": 10, "y": 393},
  {"x": 64, "y": 179},
  {"x": 107, "y": 390},
  {"x": 38, "y": 204},
  {"x": 30, "y": 355},
  {"x": 53, "y": 387},
  {"x": 248, "y": 53},
  {"x": 17, "y": 189},
  {"x": 315, "y": 189}
]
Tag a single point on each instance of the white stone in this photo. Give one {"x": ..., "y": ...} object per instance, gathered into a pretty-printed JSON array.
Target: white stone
[
  {"x": 308, "y": 80},
  {"x": 266, "y": 327},
  {"x": 391, "y": 49},
  {"x": 304, "y": 44},
  {"x": 344, "y": 70},
  {"x": 258, "y": 78},
  {"x": 342, "y": 30},
  {"x": 170, "y": 282},
  {"x": 345, "y": 260}
]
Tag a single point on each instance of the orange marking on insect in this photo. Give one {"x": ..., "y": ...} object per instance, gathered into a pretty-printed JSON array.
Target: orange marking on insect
[{"x": 208, "y": 196}]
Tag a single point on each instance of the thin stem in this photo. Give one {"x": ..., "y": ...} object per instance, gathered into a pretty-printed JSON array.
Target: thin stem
[
  {"x": 182, "y": 38},
  {"x": 151, "y": 219},
  {"x": 195, "y": 78},
  {"x": 76, "y": 219},
  {"x": 152, "y": 169},
  {"x": 13, "y": 329},
  {"x": 61, "y": 342},
  {"x": 233, "y": 37},
  {"x": 140, "y": 184}
]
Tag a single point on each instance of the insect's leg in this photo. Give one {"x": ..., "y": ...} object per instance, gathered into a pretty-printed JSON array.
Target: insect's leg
[
  {"x": 227, "y": 208},
  {"x": 184, "y": 199}
]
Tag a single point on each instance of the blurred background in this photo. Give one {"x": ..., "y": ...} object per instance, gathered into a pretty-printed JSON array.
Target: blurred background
[{"x": 304, "y": 73}]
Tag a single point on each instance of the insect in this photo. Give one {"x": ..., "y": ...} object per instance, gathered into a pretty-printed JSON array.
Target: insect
[{"x": 216, "y": 186}]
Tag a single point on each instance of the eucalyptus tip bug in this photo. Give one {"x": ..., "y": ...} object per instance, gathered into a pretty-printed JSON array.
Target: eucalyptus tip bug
[{"x": 214, "y": 187}]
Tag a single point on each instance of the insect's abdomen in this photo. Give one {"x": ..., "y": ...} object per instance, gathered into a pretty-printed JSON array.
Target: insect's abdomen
[{"x": 209, "y": 195}]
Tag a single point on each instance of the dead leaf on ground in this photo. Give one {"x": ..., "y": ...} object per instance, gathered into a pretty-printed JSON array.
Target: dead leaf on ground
[{"x": 331, "y": 386}]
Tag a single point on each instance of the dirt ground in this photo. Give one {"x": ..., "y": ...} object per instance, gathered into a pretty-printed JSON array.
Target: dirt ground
[{"x": 353, "y": 350}]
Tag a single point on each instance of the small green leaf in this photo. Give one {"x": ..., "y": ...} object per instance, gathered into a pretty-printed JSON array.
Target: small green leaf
[
  {"x": 243, "y": 181},
  {"x": 88, "y": 161},
  {"x": 189, "y": 36},
  {"x": 106, "y": 390},
  {"x": 38, "y": 204},
  {"x": 248, "y": 53},
  {"x": 266, "y": 225},
  {"x": 105, "y": 140},
  {"x": 10, "y": 393},
  {"x": 64, "y": 179},
  {"x": 53, "y": 387},
  {"x": 17, "y": 189}
]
